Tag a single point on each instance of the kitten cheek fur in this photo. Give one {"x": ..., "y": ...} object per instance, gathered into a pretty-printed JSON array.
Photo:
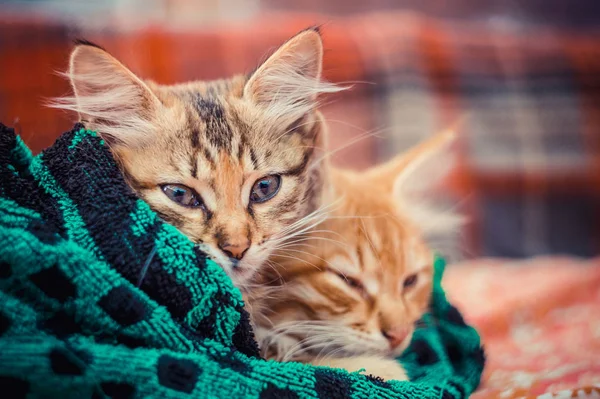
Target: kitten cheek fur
[{"x": 210, "y": 136}]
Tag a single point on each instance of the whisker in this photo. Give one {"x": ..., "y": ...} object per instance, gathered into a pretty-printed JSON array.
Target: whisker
[
  {"x": 299, "y": 260},
  {"x": 348, "y": 144},
  {"x": 292, "y": 129},
  {"x": 318, "y": 213},
  {"x": 308, "y": 344}
]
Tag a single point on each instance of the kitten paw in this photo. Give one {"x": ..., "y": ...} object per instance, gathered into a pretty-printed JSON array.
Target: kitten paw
[{"x": 387, "y": 369}]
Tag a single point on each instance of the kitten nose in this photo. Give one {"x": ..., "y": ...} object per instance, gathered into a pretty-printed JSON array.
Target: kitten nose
[
  {"x": 235, "y": 250},
  {"x": 395, "y": 336}
]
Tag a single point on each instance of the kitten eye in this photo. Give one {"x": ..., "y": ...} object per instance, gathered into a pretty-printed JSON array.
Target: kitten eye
[
  {"x": 410, "y": 281},
  {"x": 182, "y": 195},
  {"x": 265, "y": 188},
  {"x": 352, "y": 282}
]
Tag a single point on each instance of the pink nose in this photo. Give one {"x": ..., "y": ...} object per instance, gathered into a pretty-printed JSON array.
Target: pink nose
[
  {"x": 235, "y": 250},
  {"x": 395, "y": 336}
]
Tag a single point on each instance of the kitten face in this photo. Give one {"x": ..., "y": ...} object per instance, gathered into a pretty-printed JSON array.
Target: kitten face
[
  {"x": 359, "y": 284},
  {"x": 357, "y": 292},
  {"x": 229, "y": 163},
  {"x": 241, "y": 185}
]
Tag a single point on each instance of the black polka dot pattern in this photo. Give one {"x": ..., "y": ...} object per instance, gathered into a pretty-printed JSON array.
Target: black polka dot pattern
[
  {"x": 5, "y": 323},
  {"x": 478, "y": 355},
  {"x": 61, "y": 324},
  {"x": 13, "y": 388},
  {"x": 130, "y": 342},
  {"x": 43, "y": 232},
  {"x": 454, "y": 353},
  {"x": 234, "y": 364},
  {"x": 454, "y": 316},
  {"x": 5, "y": 270},
  {"x": 243, "y": 335},
  {"x": 425, "y": 354},
  {"x": 123, "y": 305},
  {"x": 207, "y": 326},
  {"x": 201, "y": 256},
  {"x": 118, "y": 390},
  {"x": 68, "y": 362},
  {"x": 378, "y": 381},
  {"x": 54, "y": 283},
  {"x": 273, "y": 392},
  {"x": 177, "y": 374},
  {"x": 447, "y": 395},
  {"x": 459, "y": 389},
  {"x": 329, "y": 385}
]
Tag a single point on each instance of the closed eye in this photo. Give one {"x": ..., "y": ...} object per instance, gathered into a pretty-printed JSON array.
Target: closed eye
[
  {"x": 350, "y": 281},
  {"x": 410, "y": 281}
]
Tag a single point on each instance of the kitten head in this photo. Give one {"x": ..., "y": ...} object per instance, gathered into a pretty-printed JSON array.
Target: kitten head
[
  {"x": 230, "y": 162},
  {"x": 363, "y": 279}
]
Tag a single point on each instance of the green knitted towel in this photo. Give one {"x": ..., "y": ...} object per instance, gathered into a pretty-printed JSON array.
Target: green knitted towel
[{"x": 101, "y": 299}]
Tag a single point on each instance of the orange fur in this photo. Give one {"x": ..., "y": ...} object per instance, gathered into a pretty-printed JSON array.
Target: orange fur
[{"x": 335, "y": 296}]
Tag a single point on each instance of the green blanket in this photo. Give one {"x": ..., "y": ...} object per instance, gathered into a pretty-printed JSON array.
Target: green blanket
[{"x": 101, "y": 299}]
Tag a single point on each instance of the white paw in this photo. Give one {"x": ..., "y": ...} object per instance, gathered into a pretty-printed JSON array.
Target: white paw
[{"x": 387, "y": 369}]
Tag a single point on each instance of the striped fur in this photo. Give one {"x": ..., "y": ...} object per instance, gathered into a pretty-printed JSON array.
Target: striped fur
[
  {"x": 336, "y": 292},
  {"x": 217, "y": 138}
]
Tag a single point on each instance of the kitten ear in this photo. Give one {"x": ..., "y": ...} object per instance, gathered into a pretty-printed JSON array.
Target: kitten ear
[
  {"x": 109, "y": 98},
  {"x": 423, "y": 167},
  {"x": 288, "y": 82},
  {"x": 415, "y": 177}
]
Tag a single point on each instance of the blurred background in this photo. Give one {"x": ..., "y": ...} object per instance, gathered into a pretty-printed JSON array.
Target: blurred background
[{"x": 526, "y": 72}]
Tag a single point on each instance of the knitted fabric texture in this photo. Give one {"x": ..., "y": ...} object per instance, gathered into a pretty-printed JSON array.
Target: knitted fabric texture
[{"x": 101, "y": 299}]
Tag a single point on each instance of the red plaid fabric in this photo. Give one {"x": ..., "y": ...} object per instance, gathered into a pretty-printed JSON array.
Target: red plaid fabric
[
  {"x": 529, "y": 170},
  {"x": 530, "y": 147}
]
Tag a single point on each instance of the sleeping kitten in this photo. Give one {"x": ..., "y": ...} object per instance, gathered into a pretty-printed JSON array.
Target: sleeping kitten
[
  {"x": 349, "y": 293},
  {"x": 230, "y": 163}
]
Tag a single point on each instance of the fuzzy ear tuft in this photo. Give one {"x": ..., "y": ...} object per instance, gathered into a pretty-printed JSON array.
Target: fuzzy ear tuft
[
  {"x": 425, "y": 165},
  {"x": 414, "y": 179},
  {"x": 109, "y": 98},
  {"x": 288, "y": 82},
  {"x": 417, "y": 185}
]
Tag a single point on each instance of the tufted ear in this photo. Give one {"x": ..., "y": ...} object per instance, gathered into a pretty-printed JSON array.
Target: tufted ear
[
  {"x": 288, "y": 82},
  {"x": 108, "y": 97},
  {"x": 422, "y": 169},
  {"x": 414, "y": 178}
]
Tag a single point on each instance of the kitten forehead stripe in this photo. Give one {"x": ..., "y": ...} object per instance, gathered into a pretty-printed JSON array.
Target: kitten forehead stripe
[
  {"x": 195, "y": 138},
  {"x": 194, "y": 165},
  {"x": 209, "y": 157},
  {"x": 253, "y": 158},
  {"x": 299, "y": 169},
  {"x": 218, "y": 131}
]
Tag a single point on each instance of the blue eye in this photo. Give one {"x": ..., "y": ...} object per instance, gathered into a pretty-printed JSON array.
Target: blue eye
[
  {"x": 265, "y": 188},
  {"x": 182, "y": 195}
]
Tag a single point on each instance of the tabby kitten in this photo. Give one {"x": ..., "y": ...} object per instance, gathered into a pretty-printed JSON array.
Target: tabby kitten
[
  {"x": 231, "y": 163},
  {"x": 349, "y": 293}
]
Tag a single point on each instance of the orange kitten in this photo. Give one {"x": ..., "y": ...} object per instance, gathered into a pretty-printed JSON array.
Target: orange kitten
[
  {"x": 228, "y": 162},
  {"x": 349, "y": 293}
]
